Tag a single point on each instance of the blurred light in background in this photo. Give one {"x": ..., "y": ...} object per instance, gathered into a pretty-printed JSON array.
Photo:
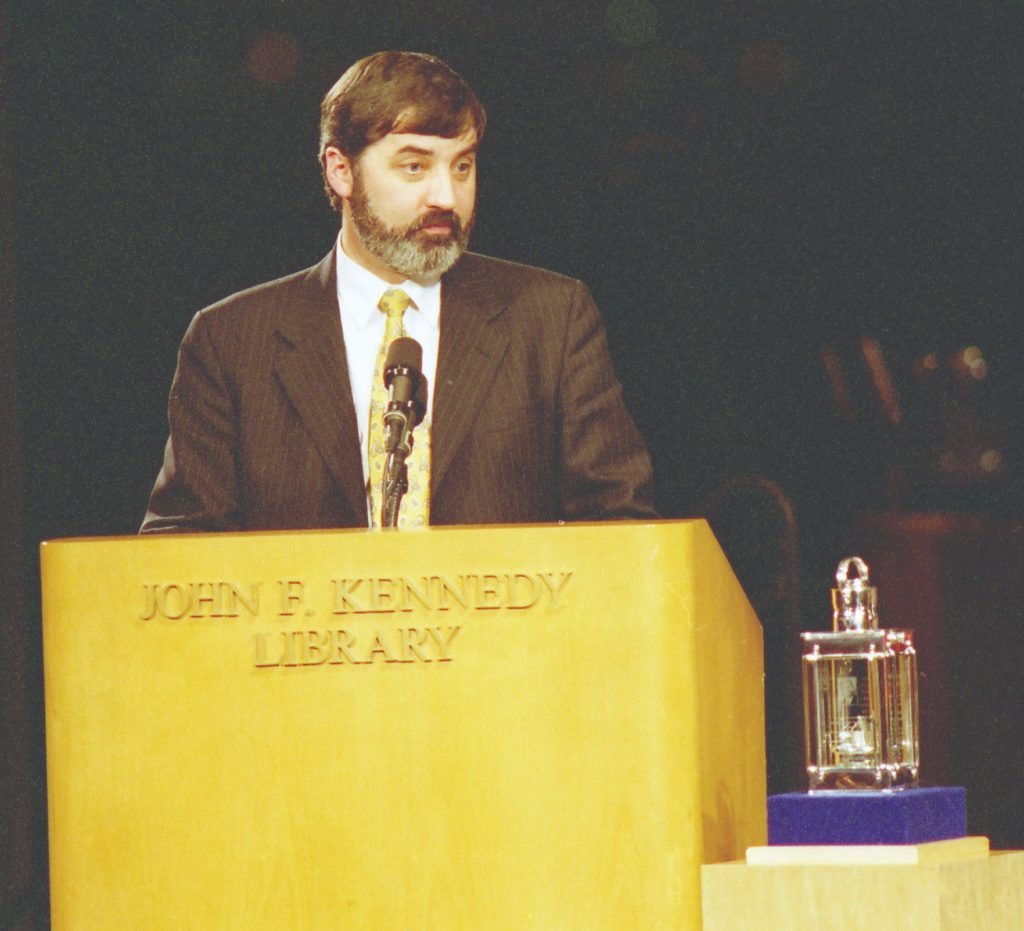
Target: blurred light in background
[
  {"x": 273, "y": 58},
  {"x": 991, "y": 460},
  {"x": 975, "y": 362}
]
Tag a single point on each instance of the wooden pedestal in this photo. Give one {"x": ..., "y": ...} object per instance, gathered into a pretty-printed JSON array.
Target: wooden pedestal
[{"x": 983, "y": 894}]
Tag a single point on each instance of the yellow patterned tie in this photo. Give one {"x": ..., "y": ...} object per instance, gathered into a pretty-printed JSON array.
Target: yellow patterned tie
[{"x": 415, "y": 509}]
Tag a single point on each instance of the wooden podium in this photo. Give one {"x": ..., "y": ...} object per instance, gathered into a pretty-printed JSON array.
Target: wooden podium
[{"x": 520, "y": 727}]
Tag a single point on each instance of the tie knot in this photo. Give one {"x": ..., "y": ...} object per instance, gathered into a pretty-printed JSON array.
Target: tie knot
[{"x": 394, "y": 302}]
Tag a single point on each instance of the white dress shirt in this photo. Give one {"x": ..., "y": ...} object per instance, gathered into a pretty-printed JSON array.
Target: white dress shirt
[{"x": 362, "y": 323}]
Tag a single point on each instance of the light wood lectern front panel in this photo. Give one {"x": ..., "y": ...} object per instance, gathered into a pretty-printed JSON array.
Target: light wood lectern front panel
[{"x": 520, "y": 727}]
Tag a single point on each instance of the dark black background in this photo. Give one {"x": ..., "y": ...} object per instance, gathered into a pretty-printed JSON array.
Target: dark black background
[{"x": 740, "y": 183}]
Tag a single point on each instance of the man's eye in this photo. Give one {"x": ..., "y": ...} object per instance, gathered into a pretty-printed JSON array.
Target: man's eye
[
  {"x": 464, "y": 168},
  {"x": 412, "y": 168}
]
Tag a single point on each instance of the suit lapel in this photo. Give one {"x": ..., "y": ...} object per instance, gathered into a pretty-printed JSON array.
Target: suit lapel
[
  {"x": 313, "y": 370},
  {"x": 474, "y": 337}
]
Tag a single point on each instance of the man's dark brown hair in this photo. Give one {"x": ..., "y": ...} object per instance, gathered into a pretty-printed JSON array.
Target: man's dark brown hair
[{"x": 389, "y": 92}]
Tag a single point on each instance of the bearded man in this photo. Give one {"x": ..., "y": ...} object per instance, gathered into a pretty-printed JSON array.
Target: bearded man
[{"x": 274, "y": 416}]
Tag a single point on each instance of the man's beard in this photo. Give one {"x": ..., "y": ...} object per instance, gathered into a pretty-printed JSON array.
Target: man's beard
[{"x": 407, "y": 251}]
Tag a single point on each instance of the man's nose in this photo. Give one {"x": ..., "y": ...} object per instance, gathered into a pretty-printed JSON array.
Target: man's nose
[{"x": 442, "y": 190}]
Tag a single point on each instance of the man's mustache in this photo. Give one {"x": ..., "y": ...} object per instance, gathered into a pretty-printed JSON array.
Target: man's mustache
[{"x": 439, "y": 218}]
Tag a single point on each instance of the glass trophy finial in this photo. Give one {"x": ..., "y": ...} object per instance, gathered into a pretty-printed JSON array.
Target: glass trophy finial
[{"x": 860, "y": 694}]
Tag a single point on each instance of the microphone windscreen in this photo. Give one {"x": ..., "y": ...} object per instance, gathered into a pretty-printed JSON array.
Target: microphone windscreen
[{"x": 404, "y": 352}]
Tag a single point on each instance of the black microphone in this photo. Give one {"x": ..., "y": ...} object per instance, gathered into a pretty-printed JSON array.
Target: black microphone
[{"x": 403, "y": 378}]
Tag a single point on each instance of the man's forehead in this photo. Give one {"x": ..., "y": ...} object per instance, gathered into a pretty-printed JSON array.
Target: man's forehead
[{"x": 421, "y": 142}]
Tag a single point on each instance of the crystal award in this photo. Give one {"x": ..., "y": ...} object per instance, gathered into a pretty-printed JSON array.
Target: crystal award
[{"x": 860, "y": 694}]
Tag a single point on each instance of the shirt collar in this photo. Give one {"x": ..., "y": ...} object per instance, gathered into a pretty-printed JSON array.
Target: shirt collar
[{"x": 360, "y": 290}]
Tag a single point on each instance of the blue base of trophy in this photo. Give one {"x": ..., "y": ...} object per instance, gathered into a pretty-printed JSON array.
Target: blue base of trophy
[{"x": 862, "y": 816}]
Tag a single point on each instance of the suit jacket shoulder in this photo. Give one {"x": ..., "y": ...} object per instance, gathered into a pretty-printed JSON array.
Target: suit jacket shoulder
[
  {"x": 502, "y": 280},
  {"x": 274, "y": 299}
]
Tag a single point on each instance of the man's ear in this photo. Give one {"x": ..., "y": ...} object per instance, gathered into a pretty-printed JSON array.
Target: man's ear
[{"x": 338, "y": 171}]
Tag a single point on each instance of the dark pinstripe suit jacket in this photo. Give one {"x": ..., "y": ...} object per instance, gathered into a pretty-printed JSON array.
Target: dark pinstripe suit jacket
[{"x": 528, "y": 422}]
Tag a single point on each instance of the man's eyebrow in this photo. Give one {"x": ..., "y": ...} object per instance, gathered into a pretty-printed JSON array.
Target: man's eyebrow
[{"x": 413, "y": 150}]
